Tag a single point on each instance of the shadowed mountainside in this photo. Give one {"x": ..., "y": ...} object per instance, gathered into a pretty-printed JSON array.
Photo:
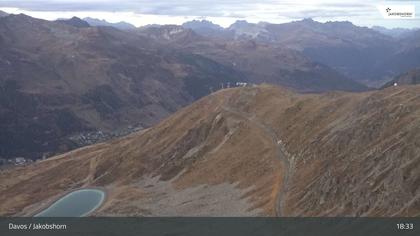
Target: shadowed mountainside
[
  {"x": 360, "y": 53},
  {"x": 248, "y": 151},
  {"x": 410, "y": 78},
  {"x": 59, "y": 79},
  {"x": 258, "y": 62}
]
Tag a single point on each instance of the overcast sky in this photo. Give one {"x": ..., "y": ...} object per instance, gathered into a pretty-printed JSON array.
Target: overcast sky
[{"x": 223, "y": 12}]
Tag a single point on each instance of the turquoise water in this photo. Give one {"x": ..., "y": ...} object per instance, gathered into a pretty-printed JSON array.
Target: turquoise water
[{"x": 75, "y": 204}]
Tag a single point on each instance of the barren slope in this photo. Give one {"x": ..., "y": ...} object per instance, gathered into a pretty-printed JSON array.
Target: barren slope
[{"x": 248, "y": 151}]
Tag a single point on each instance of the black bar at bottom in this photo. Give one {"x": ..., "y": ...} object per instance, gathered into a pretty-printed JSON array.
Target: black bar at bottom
[{"x": 203, "y": 226}]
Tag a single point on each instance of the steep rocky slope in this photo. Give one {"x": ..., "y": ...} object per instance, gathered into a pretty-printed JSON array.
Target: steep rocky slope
[{"x": 248, "y": 151}]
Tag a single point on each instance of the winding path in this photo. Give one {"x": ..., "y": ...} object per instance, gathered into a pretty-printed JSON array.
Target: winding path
[{"x": 282, "y": 154}]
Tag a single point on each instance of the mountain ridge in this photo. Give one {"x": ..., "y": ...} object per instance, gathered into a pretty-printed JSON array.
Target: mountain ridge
[
  {"x": 119, "y": 25},
  {"x": 2, "y": 14},
  {"x": 220, "y": 157},
  {"x": 360, "y": 53},
  {"x": 75, "y": 21},
  {"x": 258, "y": 62}
]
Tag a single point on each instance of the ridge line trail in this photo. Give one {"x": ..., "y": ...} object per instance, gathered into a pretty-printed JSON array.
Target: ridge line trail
[{"x": 282, "y": 154}]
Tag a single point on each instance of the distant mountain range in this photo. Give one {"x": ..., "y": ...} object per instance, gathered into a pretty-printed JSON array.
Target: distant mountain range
[
  {"x": 363, "y": 54},
  {"x": 205, "y": 28},
  {"x": 119, "y": 25},
  {"x": 258, "y": 62},
  {"x": 74, "y": 21},
  {"x": 87, "y": 21},
  {"x": 394, "y": 32},
  {"x": 69, "y": 77}
]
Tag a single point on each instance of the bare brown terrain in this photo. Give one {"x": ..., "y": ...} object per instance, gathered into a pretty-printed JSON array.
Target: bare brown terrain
[{"x": 260, "y": 151}]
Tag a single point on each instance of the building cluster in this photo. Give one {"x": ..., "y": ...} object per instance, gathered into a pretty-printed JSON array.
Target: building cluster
[
  {"x": 90, "y": 138},
  {"x": 229, "y": 85},
  {"x": 16, "y": 161},
  {"x": 241, "y": 84}
]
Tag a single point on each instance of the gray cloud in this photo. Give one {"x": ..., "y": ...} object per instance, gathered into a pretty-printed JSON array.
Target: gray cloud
[
  {"x": 333, "y": 10},
  {"x": 359, "y": 11},
  {"x": 161, "y": 7},
  {"x": 211, "y": 8},
  {"x": 323, "y": 14}
]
